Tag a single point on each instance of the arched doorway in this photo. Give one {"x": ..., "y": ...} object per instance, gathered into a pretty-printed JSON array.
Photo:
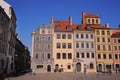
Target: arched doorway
[
  {"x": 78, "y": 67},
  {"x": 1, "y": 66},
  {"x": 99, "y": 69},
  {"x": 56, "y": 68},
  {"x": 49, "y": 68}
]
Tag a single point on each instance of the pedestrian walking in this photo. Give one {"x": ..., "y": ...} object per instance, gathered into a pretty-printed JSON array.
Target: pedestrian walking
[
  {"x": 119, "y": 70},
  {"x": 116, "y": 70}
]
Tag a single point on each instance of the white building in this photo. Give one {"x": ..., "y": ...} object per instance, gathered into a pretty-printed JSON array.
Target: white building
[{"x": 42, "y": 49}]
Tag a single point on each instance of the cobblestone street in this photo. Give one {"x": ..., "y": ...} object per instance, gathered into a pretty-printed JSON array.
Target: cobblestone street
[{"x": 66, "y": 76}]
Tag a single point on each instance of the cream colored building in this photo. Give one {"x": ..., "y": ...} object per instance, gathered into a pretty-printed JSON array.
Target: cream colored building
[{"x": 84, "y": 50}]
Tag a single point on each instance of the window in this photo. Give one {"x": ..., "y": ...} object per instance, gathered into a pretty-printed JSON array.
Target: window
[
  {"x": 103, "y": 32},
  {"x": 58, "y": 36},
  {"x": 37, "y": 55},
  {"x": 79, "y": 27},
  {"x": 77, "y": 55},
  {"x": 108, "y": 32},
  {"x": 88, "y": 55},
  {"x": 109, "y": 47},
  {"x": 77, "y": 45},
  {"x": 48, "y": 46},
  {"x": 97, "y": 31},
  {"x": 82, "y": 45},
  {"x": 104, "y": 56},
  {"x": 49, "y": 38},
  {"x": 98, "y": 47},
  {"x": 91, "y": 36},
  {"x": 69, "y": 45},
  {"x": 108, "y": 39},
  {"x": 63, "y": 36},
  {"x": 69, "y": 56},
  {"x": 82, "y": 55},
  {"x": 64, "y": 55},
  {"x": 87, "y": 36},
  {"x": 115, "y": 47},
  {"x": 63, "y": 45},
  {"x": 103, "y": 39},
  {"x": 43, "y": 31},
  {"x": 68, "y": 28},
  {"x": 58, "y": 28},
  {"x": 58, "y": 45},
  {"x": 42, "y": 56},
  {"x": 87, "y": 45},
  {"x": 92, "y": 55},
  {"x": 92, "y": 21},
  {"x": 91, "y": 66},
  {"x": 43, "y": 38},
  {"x": 58, "y": 55},
  {"x": 69, "y": 67},
  {"x": 39, "y": 66},
  {"x": 98, "y": 39},
  {"x": 82, "y": 36},
  {"x": 114, "y": 40},
  {"x": 92, "y": 45},
  {"x": 37, "y": 38},
  {"x": 116, "y": 56},
  {"x": 48, "y": 56},
  {"x": 118, "y": 40},
  {"x": 104, "y": 48},
  {"x": 88, "y": 20},
  {"x": 69, "y": 36},
  {"x": 77, "y": 35},
  {"x": 99, "y": 56},
  {"x": 110, "y": 56},
  {"x": 97, "y": 21},
  {"x": 43, "y": 47}
]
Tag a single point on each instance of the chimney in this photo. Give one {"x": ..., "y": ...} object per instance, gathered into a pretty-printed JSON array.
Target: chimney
[
  {"x": 52, "y": 20},
  {"x": 83, "y": 17},
  {"x": 70, "y": 20},
  {"x": 107, "y": 25}
]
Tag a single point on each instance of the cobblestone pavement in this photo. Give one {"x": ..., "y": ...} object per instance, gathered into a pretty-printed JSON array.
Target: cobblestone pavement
[{"x": 67, "y": 76}]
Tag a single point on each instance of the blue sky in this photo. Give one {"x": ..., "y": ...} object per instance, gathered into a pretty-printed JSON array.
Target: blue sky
[{"x": 32, "y": 13}]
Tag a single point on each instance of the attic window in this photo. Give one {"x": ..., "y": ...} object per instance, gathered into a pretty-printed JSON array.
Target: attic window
[
  {"x": 97, "y": 21},
  {"x": 79, "y": 27},
  {"x": 68, "y": 28},
  {"x": 58, "y": 27},
  {"x": 88, "y": 27}
]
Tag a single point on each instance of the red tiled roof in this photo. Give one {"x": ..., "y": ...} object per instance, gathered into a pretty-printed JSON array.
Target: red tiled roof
[{"x": 98, "y": 27}]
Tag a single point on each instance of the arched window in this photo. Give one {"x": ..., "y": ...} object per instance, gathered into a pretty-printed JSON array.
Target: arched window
[
  {"x": 58, "y": 27},
  {"x": 92, "y": 21},
  {"x": 79, "y": 27},
  {"x": 68, "y": 28},
  {"x": 97, "y": 21},
  {"x": 91, "y": 66}
]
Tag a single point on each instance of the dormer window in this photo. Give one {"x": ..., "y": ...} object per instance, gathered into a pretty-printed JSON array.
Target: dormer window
[
  {"x": 58, "y": 27},
  {"x": 79, "y": 27},
  {"x": 88, "y": 27},
  {"x": 68, "y": 28}
]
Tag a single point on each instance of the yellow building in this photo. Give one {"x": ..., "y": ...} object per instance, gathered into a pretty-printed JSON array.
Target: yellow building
[{"x": 104, "y": 57}]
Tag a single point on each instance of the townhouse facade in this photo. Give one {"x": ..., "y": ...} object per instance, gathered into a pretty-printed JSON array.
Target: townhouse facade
[
  {"x": 4, "y": 23},
  {"x": 80, "y": 47},
  {"x": 116, "y": 48},
  {"x": 42, "y": 49},
  {"x": 11, "y": 36}
]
